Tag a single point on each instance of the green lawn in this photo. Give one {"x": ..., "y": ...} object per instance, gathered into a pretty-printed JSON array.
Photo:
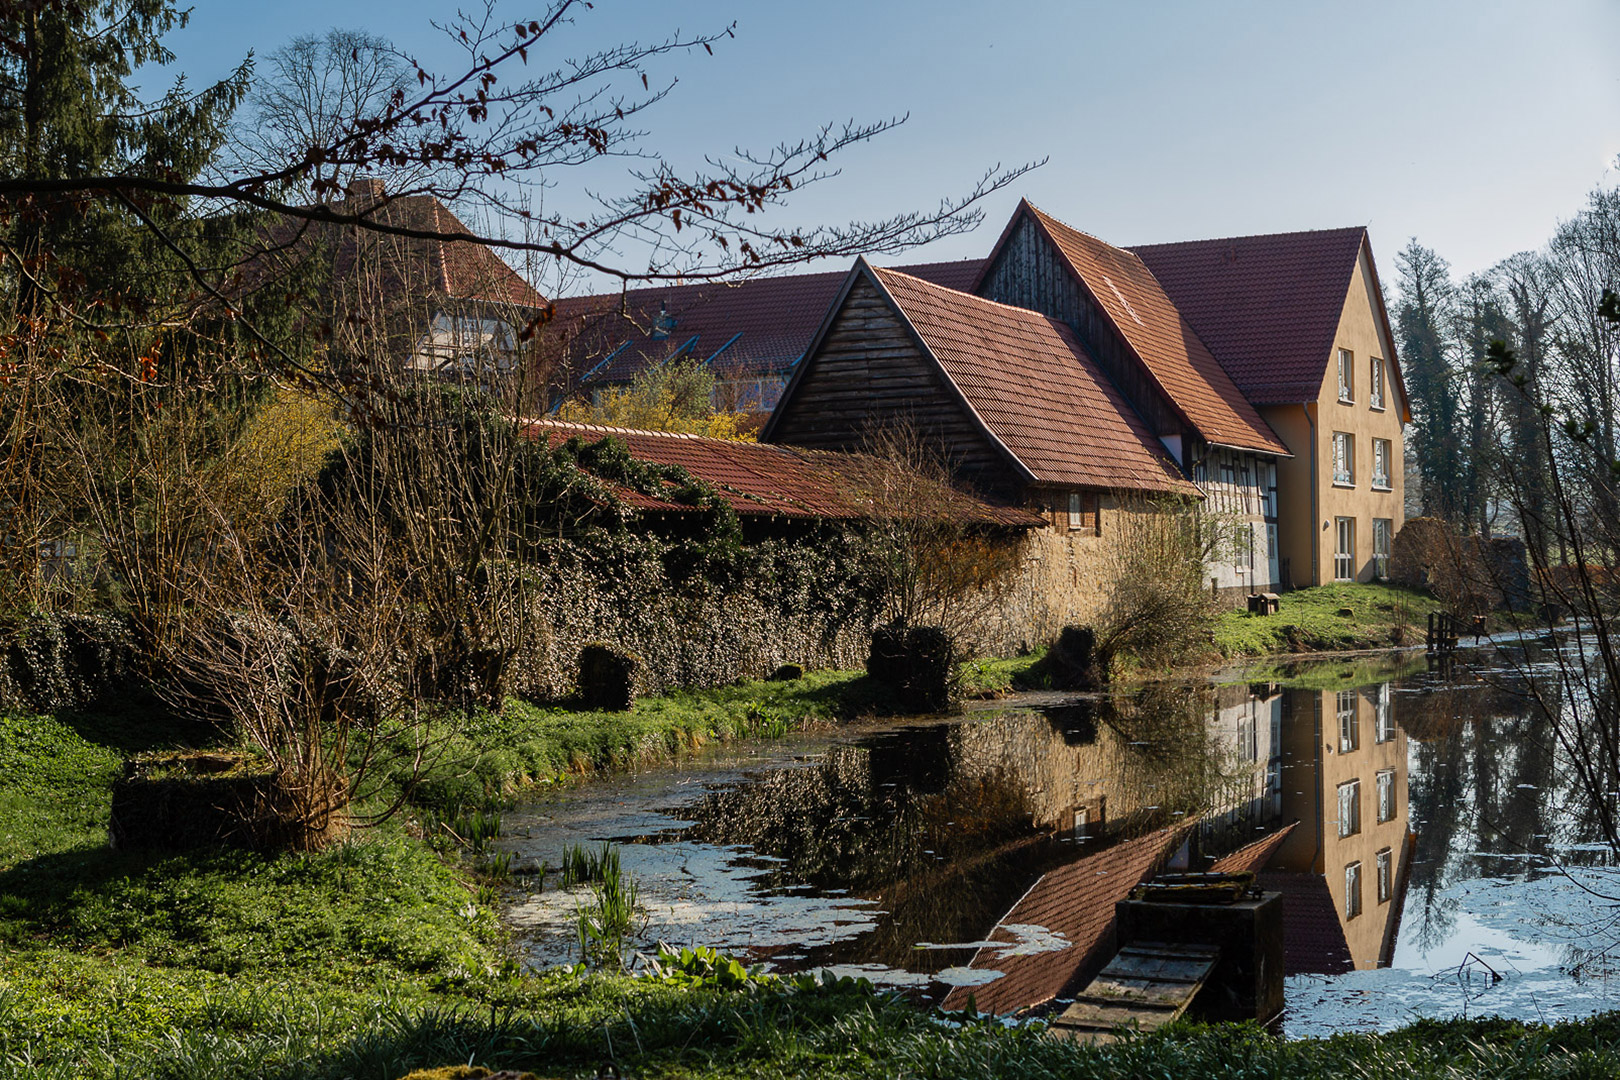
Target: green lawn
[{"x": 1309, "y": 620}]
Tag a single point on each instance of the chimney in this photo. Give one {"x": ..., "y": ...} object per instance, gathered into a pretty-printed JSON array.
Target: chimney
[{"x": 369, "y": 188}]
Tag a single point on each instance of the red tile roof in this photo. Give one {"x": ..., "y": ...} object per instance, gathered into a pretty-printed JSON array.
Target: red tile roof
[
  {"x": 1076, "y": 901},
  {"x": 1252, "y": 858},
  {"x": 1186, "y": 372},
  {"x": 762, "y": 480},
  {"x": 1313, "y": 935},
  {"x": 754, "y": 326},
  {"x": 455, "y": 270},
  {"x": 1267, "y": 306},
  {"x": 1034, "y": 389}
]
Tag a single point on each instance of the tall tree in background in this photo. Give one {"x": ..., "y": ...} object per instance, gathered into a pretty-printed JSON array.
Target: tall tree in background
[
  {"x": 1479, "y": 322},
  {"x": 1424, "y": 317},
  {"x": 1526, "y": 287}
]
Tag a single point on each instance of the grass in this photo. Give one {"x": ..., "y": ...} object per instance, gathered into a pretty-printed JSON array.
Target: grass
[
  {"x": 378, "y": 956},
  {"x": 1381, "y": 616}
]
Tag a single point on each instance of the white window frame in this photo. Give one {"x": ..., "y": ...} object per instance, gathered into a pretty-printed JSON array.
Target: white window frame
[
  {"x": 1383, "y": 714},
  {"x": 1386, "y": 875},
  {"x": 1344, "y": 549},
  {"x": 1347, "y": 376},
  {"x": 1386, "y": 795},
  {"x": 1271, "y": 540},
  {"x": 1383, "y": 540},
  {"x": 1344, "y": 459},
  {"x": 1352, "y": 890},
  {"x": 1348, "y": 707},
  {"x": 1375, "y": 392},
  {"x": 1077, "y": 511},
  {"x": 1382, "y": 453},
  {"x": 1349, "y": 808}
]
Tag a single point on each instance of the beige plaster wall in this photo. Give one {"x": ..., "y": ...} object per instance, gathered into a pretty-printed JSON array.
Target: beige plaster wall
[{"x": 1307, "y": 534}]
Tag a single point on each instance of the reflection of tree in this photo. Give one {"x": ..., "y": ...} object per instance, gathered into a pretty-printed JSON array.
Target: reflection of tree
[{"x": 1436, "y": 798}]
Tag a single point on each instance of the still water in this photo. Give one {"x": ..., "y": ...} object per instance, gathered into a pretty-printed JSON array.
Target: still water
[{"x": 1430, "y": 850}]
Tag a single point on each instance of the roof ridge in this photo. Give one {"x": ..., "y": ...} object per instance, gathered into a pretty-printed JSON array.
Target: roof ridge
[
  {"x": 610, "y": 429},
  {"x": 1252, "y": 236}
]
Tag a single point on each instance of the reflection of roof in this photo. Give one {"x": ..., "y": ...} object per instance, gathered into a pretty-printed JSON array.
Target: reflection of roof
[
  {"x": 1252, "y": 858},
  {"x": 1313, "y": 936},
  {"x": 1267, "y": 306},
  {"x": 764, "y": 480},
  {"x": 1033, "y": 386},
  {"x": 1186, "y": 372},
  {"x": 759, "y": 326},
  {"x": 1076, "y": 901}
]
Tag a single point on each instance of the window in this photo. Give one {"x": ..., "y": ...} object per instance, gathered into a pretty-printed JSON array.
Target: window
[
  {"x": 1344, "y": 458},
  {"x": 1380, "y": 476},
  {"x": 1347, "y": 377},
  {"x": 1385, "y": 873},
  {"x": 1383, "y": 528},
  {"x": 1375, "y": 386},
  {"x": 1271, "y": 541},
  {"x": 1383, "y": 713},
  {"x": 1083, "y": 513},
  {"x": 1082, "y": 823},
  {"x": 1344, "y": 554},
  {"x": 1352, "y": 890},
  {"x": 1349, "y": 722},
  {"x": 1386, "y": 795},
  {"x": 1349, "y": 808},
  {"x": 1228, "y": 473}
]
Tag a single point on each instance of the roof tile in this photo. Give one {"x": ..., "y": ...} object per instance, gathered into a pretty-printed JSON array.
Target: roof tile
[
  {"x": 1144, "y": 316},
  {"x": 1267, "y": 306}
]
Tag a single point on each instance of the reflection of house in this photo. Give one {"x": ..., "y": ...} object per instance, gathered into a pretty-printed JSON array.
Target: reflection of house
[{"x": 1345, "y": 779}]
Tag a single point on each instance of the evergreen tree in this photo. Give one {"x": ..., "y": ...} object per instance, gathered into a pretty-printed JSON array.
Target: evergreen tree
[{"x": 1423, "y": 317}]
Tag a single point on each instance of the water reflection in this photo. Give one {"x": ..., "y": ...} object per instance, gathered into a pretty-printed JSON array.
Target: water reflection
[{"x": 983, "y": 856}]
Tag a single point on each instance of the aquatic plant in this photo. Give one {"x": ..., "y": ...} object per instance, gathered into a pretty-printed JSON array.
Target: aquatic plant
[
  {"x": 608, "y": 919},
  {"x": 582, "y": 867}
]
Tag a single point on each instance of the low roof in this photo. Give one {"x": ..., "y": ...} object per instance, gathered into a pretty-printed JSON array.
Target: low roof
[
  {"x": 758, "y": 326},
  {"x": 1133, "y": 301},
  {"x": 767, "y": 480},
  {"x": 1036, "y": 392},
  {"x": 1267, "y": 306}
]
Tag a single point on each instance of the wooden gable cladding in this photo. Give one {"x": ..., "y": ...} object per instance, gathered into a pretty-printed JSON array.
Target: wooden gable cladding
[
  {"x": 1030, "y": 272},
  {"x": 868, "y": 370}
]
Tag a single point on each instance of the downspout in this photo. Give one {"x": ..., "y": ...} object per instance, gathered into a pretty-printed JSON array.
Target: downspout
[{"x": 1316, "y": 509}]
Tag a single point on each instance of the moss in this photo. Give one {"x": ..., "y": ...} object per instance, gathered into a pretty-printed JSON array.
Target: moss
[{"x": 1310, "y": 620}]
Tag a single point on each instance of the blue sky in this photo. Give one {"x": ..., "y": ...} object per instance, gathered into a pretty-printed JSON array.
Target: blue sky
[{"x": 1473, "y": 125}]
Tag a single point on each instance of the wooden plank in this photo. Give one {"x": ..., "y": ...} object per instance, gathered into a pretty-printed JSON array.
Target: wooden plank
[{"x": 1146, "y": 985}]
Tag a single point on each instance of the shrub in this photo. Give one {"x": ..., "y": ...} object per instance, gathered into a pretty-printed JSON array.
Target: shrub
[
  {"x": 1073, "y": 659},
  {"x": 918, "y": 663},
  {"x": 788, "y": 673}
]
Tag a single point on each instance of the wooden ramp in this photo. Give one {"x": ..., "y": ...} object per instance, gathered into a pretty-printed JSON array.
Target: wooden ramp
[{"x": 1145, "y": 986}]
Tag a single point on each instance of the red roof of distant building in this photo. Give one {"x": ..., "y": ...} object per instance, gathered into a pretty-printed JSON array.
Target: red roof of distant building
[
  {"x": 1076, "y": 901},
  {"x": 1186, "y": 372},
  {"x": 1267, "y": 306},
  {"x": 756, "y": 326},
  {"x": 413, "y": 265},
  {"x": 764, "y": 480},
  {"x": 1035, "y": 389}
]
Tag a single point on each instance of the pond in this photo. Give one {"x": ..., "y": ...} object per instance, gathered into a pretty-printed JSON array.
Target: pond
[{"x": 1430, "y": 850}]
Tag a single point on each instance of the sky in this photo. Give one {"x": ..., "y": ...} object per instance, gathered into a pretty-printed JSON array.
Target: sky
[{"x": 1474, "y": 125}]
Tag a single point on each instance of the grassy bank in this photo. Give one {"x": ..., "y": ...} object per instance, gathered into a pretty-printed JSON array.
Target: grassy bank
[
  {"x": 382, "y": 955},
  {"x": 1330, "y": 618}
]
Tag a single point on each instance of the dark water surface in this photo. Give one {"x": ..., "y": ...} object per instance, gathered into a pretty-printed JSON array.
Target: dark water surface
[{"x": 1431, "y": 853}]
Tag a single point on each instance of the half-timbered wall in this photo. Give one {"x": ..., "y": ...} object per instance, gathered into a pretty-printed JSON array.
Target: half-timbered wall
[
  {"x": 1031, "y": 273},
  {"x": 868, "y": 371}
]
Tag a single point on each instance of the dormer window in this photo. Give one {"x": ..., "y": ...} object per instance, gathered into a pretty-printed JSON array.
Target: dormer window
[
  {"x": 1347, "y": 376},
  {"x": 663, "y": 325}
]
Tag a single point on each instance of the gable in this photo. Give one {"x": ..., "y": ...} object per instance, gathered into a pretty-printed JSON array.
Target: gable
[
  {"x": 866, "y": 371},
  {"x": 1268, "y": 307},
  {"x": 1127, "y": 320}
]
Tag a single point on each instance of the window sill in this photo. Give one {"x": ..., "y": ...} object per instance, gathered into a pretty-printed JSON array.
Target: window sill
[
  {"x": 1347, "y": 401},
  {"x": 1348, "y": 484},
  {"x": 1382, "y": 487},
  {"x": 1376, "y": 408}
]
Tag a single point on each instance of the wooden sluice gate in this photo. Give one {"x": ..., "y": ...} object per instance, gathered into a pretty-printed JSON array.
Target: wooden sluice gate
[{"x": 1206, "y": 944}]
